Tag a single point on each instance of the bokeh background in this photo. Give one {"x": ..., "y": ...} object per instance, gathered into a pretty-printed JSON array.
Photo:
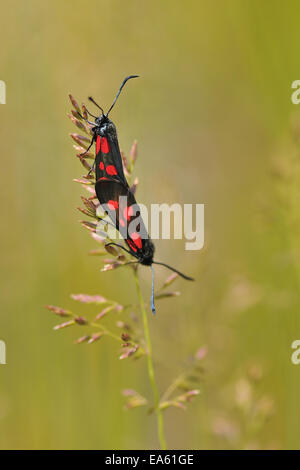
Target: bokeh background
[{"x": 213, "y": 116}]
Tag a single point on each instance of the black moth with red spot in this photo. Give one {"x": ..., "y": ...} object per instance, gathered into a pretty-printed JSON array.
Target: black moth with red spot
[{"x": 114, "y": 193}]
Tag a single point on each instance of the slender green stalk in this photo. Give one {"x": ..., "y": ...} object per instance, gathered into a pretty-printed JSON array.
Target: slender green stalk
[{"x": 160, "y": 420}]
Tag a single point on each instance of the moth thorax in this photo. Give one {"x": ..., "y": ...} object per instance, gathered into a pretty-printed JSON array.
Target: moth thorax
[{"x": 108, "y": 129}]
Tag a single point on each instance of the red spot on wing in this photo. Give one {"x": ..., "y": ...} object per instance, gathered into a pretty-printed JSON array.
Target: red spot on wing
[
  {"x": 101, "y": 166},
  {"x": 128, "y": 212},
  {"x": 137, "y": 239},
  {"x": 104, "y": 145},
  {"x": 103, "y": 178},
  {"x": 113, "y": 204},
  {"x": 111, "y": 170},
  {"x": 98, "y": 144},
  {"x": 131, "y": 244}
]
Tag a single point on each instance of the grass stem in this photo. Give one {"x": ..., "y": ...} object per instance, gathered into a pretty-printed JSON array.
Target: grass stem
[{"x": 160, "y": 420}]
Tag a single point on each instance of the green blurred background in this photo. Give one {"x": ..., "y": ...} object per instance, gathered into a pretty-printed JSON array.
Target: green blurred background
[{"x": 213, "y": 116}]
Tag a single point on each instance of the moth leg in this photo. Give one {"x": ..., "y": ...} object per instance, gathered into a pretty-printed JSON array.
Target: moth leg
[
  {"x": 89, "y": 122},
  {"x": 92, "y": 168},
  {"x": 92, "y": 141}
]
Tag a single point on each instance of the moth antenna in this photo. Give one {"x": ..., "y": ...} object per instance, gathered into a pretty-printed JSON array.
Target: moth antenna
[
  {"x": 175, "y": 271},
  {"x": 94, "y": 102},
  {"x": 123, "y": 248},
  {"x": 120, "y": 89},
  {"x": 90, "y": 113},
  {"x": 152, "y": 292}
]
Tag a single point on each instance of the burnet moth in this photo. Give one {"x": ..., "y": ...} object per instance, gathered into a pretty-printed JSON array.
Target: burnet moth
[{"x": 114, "y": 193}]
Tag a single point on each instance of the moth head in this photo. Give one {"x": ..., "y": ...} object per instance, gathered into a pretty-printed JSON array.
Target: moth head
[{"x": 101, "y": 120}]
